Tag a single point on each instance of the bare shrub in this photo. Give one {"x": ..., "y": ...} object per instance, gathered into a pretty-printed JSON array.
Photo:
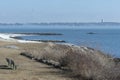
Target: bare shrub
[
  {"x": 55, "y": 51},
  {"x": 84, "y": 62},
  {"x": 91, "y": 64}
]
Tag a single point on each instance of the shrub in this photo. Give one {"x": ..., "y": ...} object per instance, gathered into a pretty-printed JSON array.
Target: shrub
[
  {"x": 91, "y": 64},
  {"x": 85, "y": 63}
]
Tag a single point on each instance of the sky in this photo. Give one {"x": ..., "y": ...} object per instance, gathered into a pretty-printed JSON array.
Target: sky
[{"x": 36, "y": 11}]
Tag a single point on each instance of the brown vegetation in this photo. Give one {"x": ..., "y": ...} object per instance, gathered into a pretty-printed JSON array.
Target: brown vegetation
[
  {"x": 26, "y": 69},
  {"x": 83, "y": 62}
]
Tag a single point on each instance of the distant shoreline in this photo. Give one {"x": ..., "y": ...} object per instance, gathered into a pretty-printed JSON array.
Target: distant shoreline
[{"x": 68, "y": 23}]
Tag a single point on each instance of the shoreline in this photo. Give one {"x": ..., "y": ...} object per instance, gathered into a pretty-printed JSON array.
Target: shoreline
[
  {"x": 13, "y": 37},
  {"x": 57, "y": 57},
  {"x": 8, "y": 37}
]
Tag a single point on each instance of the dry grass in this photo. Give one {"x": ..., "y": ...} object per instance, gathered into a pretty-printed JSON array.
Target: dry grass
[
  {"x": 27, "y": 69},
  {"x": 84, "y": 62}
]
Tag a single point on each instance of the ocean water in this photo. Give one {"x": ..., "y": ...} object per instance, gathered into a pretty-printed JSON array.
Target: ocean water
[{"x": 105, "y": 39}]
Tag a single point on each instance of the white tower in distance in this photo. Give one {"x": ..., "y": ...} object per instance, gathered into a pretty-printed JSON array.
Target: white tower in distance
[{"x": 102, "y": 20}]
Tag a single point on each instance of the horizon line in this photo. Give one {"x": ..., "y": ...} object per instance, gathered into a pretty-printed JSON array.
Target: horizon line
[{"x": 50, "y": 22}]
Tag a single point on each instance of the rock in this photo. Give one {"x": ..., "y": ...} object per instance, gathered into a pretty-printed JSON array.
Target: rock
[{"x": 91, "y": 33}]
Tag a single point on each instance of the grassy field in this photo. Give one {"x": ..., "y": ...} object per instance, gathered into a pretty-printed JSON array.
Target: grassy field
[{"x": 26, "y": 69}]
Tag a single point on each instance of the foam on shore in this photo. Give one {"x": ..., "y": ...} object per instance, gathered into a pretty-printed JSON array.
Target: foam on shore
[{"x": 7, "y": 37}]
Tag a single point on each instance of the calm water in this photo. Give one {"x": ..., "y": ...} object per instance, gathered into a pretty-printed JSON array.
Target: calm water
[{"x": 107, "y": 40}]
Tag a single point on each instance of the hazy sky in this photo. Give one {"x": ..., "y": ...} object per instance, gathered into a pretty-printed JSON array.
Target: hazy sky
[{"x": 59, "y": 10}]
